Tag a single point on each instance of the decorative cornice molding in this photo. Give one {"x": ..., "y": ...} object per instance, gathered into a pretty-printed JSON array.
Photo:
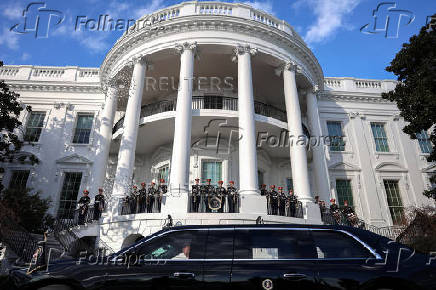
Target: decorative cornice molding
[
  {"x": 353, "y": 115},
  {"x": 56, "y": 88},
  {"x": 352, "y": 98},
  {"x": 128, "y": 42}
]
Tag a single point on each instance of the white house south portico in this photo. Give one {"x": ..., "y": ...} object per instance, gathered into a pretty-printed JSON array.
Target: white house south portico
[{"x": 217, "y": 91}]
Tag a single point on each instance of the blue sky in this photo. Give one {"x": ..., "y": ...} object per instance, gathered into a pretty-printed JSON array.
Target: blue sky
[{"x": 331, "y": 28}]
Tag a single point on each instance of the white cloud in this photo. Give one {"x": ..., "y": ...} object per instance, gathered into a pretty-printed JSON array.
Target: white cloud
[
  {"x": 25, "y": 56},
  {"x": 330, "y": 17},
  {"x": 12, "y": 11},
  {"x": 154, "y": 5},
  {"x": 266, "y": 6},
  {"x": 9, "y": 38}
]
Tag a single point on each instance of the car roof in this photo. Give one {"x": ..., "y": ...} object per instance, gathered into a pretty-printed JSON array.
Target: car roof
[{"x": 259, "y": 226}]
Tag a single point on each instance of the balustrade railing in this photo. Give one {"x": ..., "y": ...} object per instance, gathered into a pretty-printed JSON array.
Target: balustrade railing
[
  {"x": 8, "y": 71},
  {"x": 206, "y": 102},
  {"x": 366, "y": 84},
  {"x": 214, "y": 203},
  {"x": 48, "y": 72},
  {"x": 64, "y": 228},
  {"x": 338, "y": 218},
  {"x": 142, "y": 203}
]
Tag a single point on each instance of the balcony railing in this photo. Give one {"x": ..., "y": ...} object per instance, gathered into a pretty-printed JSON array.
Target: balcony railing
[{"x": 207, "y": 102}]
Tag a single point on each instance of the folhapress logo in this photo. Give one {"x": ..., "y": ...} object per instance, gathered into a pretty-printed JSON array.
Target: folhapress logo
[
  {"x": 387, "y": 19},
  {"x": 38, "y": 19}
]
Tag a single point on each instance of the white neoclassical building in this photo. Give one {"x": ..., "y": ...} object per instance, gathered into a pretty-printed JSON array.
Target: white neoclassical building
[{"x": 220, "y": 91}]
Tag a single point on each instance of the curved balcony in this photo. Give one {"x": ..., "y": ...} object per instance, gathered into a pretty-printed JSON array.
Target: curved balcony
[{"x": 207, "y": 102}]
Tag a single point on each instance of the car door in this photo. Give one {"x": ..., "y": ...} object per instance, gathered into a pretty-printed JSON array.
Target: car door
[
  {"x": 344, "y": 261},
  {"x": 172, "y": 260},
  {"x": 273, "y": 258},
  {"x": 218, "y": 260}
]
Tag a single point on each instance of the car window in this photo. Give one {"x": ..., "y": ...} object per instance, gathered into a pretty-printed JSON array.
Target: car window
[
  {"x": 180, "y": 245},
  {"x": 333, "y": 245},
  {"x": 273, "y": 244},
  {"x": 219, "y": 244}
]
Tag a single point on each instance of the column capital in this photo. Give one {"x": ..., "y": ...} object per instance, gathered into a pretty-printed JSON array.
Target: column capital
[
  {"x": 242, "y": 49},
  {"x": 314, "y": 90},
  {"x": 289, "y": 65},
  {"x": 113, "y": 83},
  {"x": 181, "y": 47},
  {"x": 140, "y": 58}
]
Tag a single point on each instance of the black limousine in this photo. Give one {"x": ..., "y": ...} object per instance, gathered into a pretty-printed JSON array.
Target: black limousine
[{"x": 246, "y": 257}]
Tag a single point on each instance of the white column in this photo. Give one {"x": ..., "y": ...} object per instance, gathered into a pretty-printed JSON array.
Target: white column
[
  {"x": 126, "y": 154},
  {"x": 104, "y": 137},
  {"x": 177, "y": 200},
  {"x": 319, "y": 163},
  {"x": 251, "y": 201},
  {"x": 300, "y": 174}
]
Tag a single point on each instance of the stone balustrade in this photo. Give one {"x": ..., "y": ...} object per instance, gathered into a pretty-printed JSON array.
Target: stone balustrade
[
  {"x": 47, "y": 73},
  {"x": 218, "y": 8},
  {"x": 358, "y": 85}
]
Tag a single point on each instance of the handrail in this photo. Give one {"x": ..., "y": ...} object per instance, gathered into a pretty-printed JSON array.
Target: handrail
[
  {"x": 207, "y": 102},
  {"x": 64, "y": 231},
  {"x": 389, "y": 232},
  {"x": 22, "y": 243}
]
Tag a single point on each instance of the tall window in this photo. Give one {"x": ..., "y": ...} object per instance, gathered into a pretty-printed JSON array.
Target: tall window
[
  {"x": 424, "y": 142},
  {"x": 394, "y": 201},
  {"x": 336, "y": 135},
  {"x": 83, "y": 128},
  {"x": 212, "y": 170},
  {"x": 344, "y": 192},
  {"x": 289, "y": 184},
  {"x": 69, "y": 192},
  {"x": 34, "y": 126},
  {"x": 380, "y": 138},
  {"x": 162, "y": 172},
  {"x": 260, "y": 177},
  {"x": 19, "y": 179}
]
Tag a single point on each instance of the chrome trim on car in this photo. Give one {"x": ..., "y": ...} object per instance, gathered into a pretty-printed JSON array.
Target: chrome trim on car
[{"x": 365, "y": 245}]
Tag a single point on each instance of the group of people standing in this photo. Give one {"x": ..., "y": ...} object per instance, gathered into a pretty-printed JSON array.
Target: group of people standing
[
  {"x": 209, "y": 198},
  {"x": 83, "y": 206},
  {"x": 281, "y": 203},
  {"x": 340, "y": 214},
  {"x": 144, "y": 200}
]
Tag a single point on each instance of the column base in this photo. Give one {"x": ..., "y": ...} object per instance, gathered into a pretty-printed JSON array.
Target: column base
[
  {"x": 253, "y": 204},
  {"x": 312, "y": 213},
  {"x": 175, "y": 204}
]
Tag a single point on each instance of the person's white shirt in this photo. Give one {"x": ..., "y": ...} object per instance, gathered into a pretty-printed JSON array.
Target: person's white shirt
[{"x": 180, "y": 256}]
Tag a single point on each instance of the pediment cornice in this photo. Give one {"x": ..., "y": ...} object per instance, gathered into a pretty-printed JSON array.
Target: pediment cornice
[{"x": 73, "y": 159}]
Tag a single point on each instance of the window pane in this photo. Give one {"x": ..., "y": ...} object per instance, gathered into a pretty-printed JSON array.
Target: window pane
[
  {"x": 163, "y": 173},
  {"x": 212, "y": 170},
  {"x": 337, "y": 142},
  {"x": 181, "y": 245},
  {"x": 380, "y": 138},
  {"x": 289, "y": 184},
  {"x": 394, "y": 201},
  {"x": 19, "y": 179},
  {"x": 330, "y": 245},
  {"x": 424, "y": 142},
  {"x": 344, "y": 191},
  {"x": 260, "y": 177},
  {"x": 219, "y": 244},
  {"x": 69, "y": 192},
  {"x": 83, "y": 128},
  {"x": 34, "y": 126},
  {"x": 273, "y": 244}
]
